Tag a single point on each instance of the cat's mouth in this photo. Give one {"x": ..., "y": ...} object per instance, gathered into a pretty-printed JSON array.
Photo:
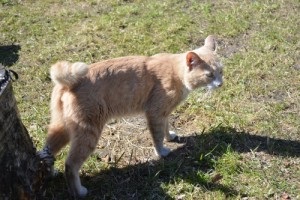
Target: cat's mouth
[{"x": 214, "y": 84}]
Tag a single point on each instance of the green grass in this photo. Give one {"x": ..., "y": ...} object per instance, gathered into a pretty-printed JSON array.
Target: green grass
[{"x": 247, "y": 132}]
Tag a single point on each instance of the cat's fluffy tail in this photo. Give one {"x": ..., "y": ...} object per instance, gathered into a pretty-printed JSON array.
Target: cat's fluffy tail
[{"x": 68, "y": 74}]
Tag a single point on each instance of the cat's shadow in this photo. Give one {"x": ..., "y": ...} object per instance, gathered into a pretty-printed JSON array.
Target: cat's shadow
[{"x": 150, "y": 180}]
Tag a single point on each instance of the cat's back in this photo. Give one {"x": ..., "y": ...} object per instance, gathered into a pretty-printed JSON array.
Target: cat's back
[
  {"x": 120, "y": 72},
  {"x": 118, "y": 64},
  {"x": 122, "y": 84}
]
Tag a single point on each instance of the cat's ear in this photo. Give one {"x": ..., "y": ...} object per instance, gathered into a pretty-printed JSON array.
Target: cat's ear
[
  {"x": 210, "y": 43},
  {"x": 192, "y": 60}
]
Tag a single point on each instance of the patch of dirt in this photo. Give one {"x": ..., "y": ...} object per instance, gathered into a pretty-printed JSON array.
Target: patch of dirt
[
  {"x": 297, "y": 66},
  {"x": 127, "y": 141},
  {"x": 228, "y": 47}
]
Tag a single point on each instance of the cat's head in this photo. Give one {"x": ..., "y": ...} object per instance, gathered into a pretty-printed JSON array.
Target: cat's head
[{"x": 203, "y": 67}]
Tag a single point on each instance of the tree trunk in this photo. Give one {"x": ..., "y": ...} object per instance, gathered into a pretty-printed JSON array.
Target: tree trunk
[{"x": 22, "y": 172}]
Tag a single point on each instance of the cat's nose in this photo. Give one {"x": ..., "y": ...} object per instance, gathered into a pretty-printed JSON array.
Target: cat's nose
[{"x": 219, "y": 84}]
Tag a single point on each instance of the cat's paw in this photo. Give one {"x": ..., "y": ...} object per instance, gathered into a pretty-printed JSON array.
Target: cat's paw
[
  {"x": 46, "y": 156},
  {"x": 53, "y": 172},
  {"x": 171, "y": 136},
  {"x": 163, "y": 152},
  {"x": 82, "y": 192}
]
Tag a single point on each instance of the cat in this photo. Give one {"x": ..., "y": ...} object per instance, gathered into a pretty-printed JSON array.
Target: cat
[{"x": 85, "y": 97}]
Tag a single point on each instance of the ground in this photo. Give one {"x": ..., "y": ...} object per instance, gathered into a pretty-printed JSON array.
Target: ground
[{"x": 239, "y": 142}]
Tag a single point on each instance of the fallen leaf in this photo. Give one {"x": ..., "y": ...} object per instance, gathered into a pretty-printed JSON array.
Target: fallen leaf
[
  {"x": 285, "y": 196},
  {"x": 106, "y": 159},
  {"x": 180, "y": 197},
  {"x": 216, "y": 178}
]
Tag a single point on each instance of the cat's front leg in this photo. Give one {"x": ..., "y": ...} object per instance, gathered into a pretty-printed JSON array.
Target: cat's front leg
[
  {"x": 157, "y": 129},
  {"x": 162, "y": 152},
  {"x": 169, "y": 135}
]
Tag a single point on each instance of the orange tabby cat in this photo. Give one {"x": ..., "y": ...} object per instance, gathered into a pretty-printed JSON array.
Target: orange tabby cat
[{"x": 85, "y": 97}]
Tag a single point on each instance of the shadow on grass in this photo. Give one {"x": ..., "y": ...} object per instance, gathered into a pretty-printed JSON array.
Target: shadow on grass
[
  {"x": 145, "y": 180},
  {"x": 9, "y": 54},
  {"x": 243, "y": 142}
]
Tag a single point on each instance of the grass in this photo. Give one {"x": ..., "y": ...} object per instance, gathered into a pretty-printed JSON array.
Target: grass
[{"x": 242, "y": 141}]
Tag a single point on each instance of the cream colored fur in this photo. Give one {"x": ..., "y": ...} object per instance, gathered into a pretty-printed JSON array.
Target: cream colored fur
[{"x": 85, "y": 97}]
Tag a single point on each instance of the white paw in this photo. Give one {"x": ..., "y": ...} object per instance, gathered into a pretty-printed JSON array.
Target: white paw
[
  {"x": 82, "y": 192},
  {"x": 162, "y": 152},
  {"x": 171, "y": 136}
]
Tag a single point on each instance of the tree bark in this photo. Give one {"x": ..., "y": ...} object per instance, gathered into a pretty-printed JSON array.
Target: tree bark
[{"x": 22, "y": 172}]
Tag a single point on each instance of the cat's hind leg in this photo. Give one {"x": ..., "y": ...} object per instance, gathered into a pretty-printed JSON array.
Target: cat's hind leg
[
  {"x": 84, "y": 139},
  {"x": 57, "y": 138}
]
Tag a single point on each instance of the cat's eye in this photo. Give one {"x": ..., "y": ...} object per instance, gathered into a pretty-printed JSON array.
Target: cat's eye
[{"x": 210, "y": 75}]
